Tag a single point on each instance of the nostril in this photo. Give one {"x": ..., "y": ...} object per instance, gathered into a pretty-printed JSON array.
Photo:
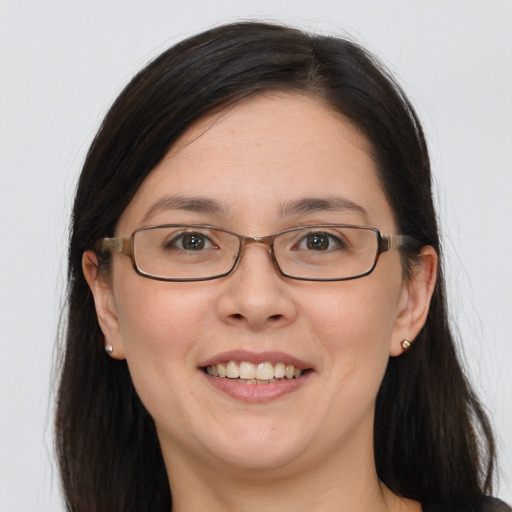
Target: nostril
[{"x": 272, "y": 318}]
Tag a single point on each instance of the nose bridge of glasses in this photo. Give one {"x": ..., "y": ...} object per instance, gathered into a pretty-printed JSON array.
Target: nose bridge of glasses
[{"x": 264, "y": 240}]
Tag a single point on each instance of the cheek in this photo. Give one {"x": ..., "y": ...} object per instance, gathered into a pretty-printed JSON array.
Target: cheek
[
  {"x": 354, "y": 323},
  {"x": 356, "y": 314},
  {"x": 158, "y": 316},
  {"x": 161, "y": 328}
]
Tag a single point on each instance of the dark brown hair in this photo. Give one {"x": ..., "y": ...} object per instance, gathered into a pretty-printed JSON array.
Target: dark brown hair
[{"x": 432, "y": 440}]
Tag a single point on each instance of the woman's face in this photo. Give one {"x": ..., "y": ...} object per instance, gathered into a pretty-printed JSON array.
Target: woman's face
[{"x": 253, "y": 169}]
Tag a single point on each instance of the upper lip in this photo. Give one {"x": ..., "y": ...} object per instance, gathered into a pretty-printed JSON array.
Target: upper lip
[{"x": 255, "y": 358}]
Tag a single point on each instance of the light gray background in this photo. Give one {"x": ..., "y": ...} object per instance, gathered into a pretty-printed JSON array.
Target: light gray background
[{"x": 63, "y": 62}]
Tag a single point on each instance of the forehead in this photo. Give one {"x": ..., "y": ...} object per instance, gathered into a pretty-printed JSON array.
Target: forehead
[
  {"x": 264, "y": 152},
  {"x": 276, "y": 121}
]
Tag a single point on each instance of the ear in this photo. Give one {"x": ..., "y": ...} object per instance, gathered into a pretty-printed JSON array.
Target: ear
[
  {"x": 104, "y": 304},
  {"x": 414, "y": 301}
]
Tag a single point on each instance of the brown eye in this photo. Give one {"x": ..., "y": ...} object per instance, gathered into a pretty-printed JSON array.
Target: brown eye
[
  {"x": 317, "y": 242},
  {"x": 190, "y": 241},
  {"x": 193, "y": 241},
  {"x": 321, "y": 241}
]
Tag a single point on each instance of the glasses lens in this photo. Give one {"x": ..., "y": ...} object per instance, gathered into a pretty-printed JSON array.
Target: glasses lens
[
  {"x": 326, "y": 252},
  {"x": 184, "y": 252}
]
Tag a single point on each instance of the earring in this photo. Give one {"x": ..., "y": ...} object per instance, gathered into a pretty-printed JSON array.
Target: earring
[
  {"x": 406, "y": 344},
  {"x": 109, "y": 348}
]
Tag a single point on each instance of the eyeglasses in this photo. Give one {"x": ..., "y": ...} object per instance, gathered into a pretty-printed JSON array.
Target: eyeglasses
[{"x": 326, "y": 252}]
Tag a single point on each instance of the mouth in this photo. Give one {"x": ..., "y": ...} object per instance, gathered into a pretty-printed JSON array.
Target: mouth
[
  {"x": 254, "y": 377},
  {"x": 245, "y": 372}
]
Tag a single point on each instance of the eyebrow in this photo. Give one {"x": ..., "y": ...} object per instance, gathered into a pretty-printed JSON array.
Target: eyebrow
[
  {"x": 191, "y": 204},
  {"x": 301, "y": 206},
  {"x": 308, "y": 205}
]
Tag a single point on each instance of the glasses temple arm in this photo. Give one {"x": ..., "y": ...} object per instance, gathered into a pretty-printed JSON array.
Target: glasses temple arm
[
  {"x": 390, "y": 242},
  {"x": 122, "y": 245}
]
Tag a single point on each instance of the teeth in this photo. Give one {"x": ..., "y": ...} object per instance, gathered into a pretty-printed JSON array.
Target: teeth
[
  {"x": 247, "y": 370},
  {"x": 221, "y": 369},
  {"x": 262, "y": 373},
  {"x": 232, "y": 370},
  {"x": 279, "y": 370}
]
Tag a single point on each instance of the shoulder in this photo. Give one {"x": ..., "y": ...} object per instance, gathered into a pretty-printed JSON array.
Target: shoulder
[
  {"x": 485, "y": 504},
  {"x": 494, "y": 505}
]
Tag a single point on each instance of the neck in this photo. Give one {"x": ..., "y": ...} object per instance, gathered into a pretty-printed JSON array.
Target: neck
[{"x": 325, "y": 487}]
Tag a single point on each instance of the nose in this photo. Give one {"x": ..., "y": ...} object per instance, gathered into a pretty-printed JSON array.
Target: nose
[{"x": 255, "y": 294}]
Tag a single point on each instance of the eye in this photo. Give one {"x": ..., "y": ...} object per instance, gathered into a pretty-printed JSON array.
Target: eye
[
  {"x": 320, "y": 241},
  {"x": 190, "y": 241}
]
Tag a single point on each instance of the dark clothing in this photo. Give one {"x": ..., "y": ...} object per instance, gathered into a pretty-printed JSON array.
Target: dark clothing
[{"x": 483, "y": 505}]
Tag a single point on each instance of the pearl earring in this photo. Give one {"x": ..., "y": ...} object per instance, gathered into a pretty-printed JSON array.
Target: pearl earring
[
  {"x": 109, "y": 348},
  {"x": 406, "y": 344}
]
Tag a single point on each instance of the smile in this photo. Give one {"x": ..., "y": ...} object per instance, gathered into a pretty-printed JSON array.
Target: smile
[{"x": 249, "y": 373}]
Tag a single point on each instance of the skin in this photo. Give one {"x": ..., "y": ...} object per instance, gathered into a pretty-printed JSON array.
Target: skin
[{"x": 311, "y": 449}]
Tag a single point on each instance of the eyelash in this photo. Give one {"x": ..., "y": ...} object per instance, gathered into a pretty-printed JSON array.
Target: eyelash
[
  {"x": 179, "y": 239},
  {"x": 338, "y": 241}
]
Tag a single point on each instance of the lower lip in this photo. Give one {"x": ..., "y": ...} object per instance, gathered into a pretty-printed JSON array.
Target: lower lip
[{"x": 257, "y": 393}]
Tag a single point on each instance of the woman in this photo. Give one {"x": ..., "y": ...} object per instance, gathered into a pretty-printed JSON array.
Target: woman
[{"x": 277, "y": 337}]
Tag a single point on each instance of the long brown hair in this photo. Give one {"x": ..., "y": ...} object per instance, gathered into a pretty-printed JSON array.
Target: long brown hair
[{"x": 432, "y": 440}]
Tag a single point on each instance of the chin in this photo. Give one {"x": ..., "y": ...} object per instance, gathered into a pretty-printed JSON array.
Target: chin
[
  {"x": 266, "y": 448},
  {"x": 266, "y": 459}
]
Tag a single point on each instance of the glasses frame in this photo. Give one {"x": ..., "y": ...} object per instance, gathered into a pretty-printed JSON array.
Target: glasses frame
[{"x": 125, "y": 245}]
